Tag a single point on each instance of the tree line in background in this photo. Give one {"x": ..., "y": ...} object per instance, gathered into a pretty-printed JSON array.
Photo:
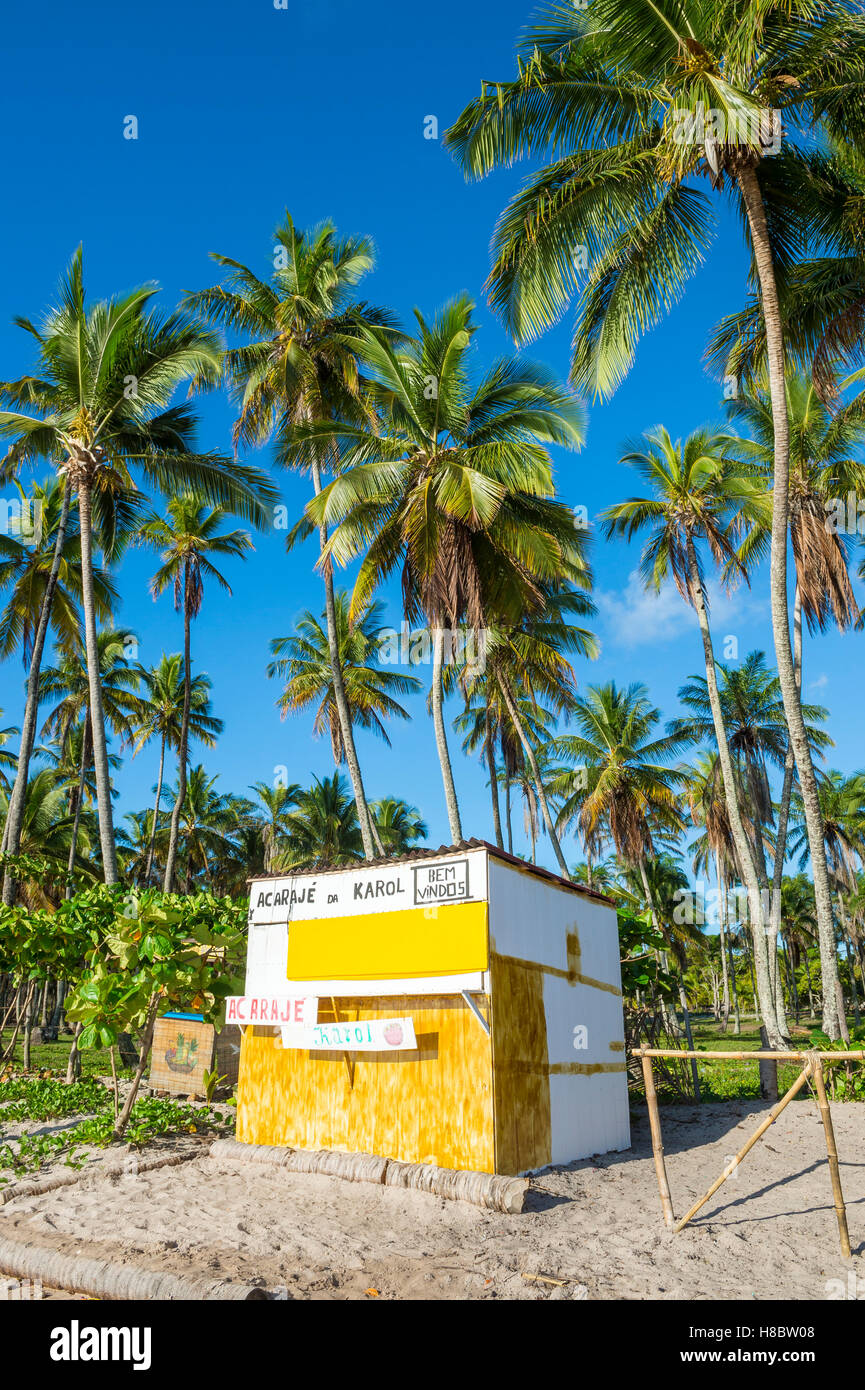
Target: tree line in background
[{"x": 423, "y": 469}]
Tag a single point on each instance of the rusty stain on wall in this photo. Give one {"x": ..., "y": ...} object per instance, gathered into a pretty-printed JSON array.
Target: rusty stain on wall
[{"x": 520, "y": 1066}]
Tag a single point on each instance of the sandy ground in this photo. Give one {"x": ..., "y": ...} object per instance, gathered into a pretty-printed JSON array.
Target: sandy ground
[{"x": 770, "y": 1232}]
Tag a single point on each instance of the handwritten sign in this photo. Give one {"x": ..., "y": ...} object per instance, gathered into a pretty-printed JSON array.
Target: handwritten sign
[
  {"x": 371, "y": 1035},
  {"x": 435, "y": 883},
  {"x": 272, "y": 1009},
  {"x": 357, "y": 892}
]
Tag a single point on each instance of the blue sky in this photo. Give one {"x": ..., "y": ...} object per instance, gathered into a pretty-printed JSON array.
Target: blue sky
[{"x": 245, "y": 110}]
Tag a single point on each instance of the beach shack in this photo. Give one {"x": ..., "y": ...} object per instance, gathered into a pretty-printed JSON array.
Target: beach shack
[{"x": 457, "y": 1007}]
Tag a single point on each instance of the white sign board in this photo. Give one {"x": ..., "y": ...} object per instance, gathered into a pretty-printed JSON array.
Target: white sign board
[
  {"x": 273, "y": 1009},
  {"x": 371, "y": 1035},
  {"x": 424, "y": 883}
]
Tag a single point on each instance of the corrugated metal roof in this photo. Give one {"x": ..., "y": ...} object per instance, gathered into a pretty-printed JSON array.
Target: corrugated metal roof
[{"x": 460, "y": 847}]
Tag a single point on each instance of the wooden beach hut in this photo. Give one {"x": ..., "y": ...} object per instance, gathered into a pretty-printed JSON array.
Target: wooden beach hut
[{"x": 457, "y": 1007}]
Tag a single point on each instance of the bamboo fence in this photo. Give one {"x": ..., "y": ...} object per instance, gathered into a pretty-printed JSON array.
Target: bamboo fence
[{"x": 814, "y": 1063}]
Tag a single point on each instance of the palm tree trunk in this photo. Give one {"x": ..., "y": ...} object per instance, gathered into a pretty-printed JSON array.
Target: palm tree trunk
[
  {"x": 171, "y": 857},
  {"x": 508, "y": 810},
  {"x": 737, "y": 1016},
  {"x": 787, "y": 786},
  {"x": 97, "y": 717},
  {"x": 368, "y": 833},
  {"x": 740, "y": 838},
  {"x": 149, "y": 869},
  {"x": 846, "y": 933},
  {"x": 437, "y": 698},
  {"x": 791, "y": 972},
  {"x": 722, "y": 932},
  {"x": 647, "y": 889},
  {"x": 753, "y": 200},
  {"x": 536, "y": 775},
  {"x": 15, "y": 816},
  {"x": 494, "y": 785},
  {"x": 79, "y": 800}
]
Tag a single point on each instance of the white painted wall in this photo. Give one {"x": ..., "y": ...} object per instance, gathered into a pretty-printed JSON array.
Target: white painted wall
[{"x": 530, "y": 918}]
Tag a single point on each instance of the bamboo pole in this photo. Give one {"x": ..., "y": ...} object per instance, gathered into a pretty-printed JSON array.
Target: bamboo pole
[
  {"x": 746, "y": 1148},
  {"x": 747, "y": 1056},
  {"x": 832, "y": 1154},
  {"x": 657, "y": 1141}
]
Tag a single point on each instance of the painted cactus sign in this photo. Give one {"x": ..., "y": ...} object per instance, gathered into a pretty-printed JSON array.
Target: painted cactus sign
[{"x": 369, "y": 1035}]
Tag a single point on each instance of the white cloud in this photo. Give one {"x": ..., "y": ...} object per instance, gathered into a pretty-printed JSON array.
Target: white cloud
[
  {"x": 821, "y": 681},
  {"x": 635, "y": 616}
]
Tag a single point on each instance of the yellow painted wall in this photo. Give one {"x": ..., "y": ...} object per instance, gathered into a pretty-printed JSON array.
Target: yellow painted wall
[
  {"x": 521, "y": 1071},
  {"x": 449, "y": 939},
  {"x": 432, "y": 1105}
]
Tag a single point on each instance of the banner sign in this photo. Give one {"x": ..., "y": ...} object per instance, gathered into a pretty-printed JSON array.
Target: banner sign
[
  {"x": 371, "y": 1035},
  {"x": 357, "y": 892},
  {"x": 284, "y": 1010}
]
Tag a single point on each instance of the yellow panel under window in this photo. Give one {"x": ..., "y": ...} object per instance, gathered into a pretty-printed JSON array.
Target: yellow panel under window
[{"x": 390, "y": 945}]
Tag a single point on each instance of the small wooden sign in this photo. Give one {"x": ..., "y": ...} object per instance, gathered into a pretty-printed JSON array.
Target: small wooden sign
[{"x": 182, "y": 1053}]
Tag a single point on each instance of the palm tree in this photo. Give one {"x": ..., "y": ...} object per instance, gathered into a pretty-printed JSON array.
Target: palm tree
[
  {"x": 134, "y": 845},
  {"x": 526, "y": 682},
  {"x": 799, "y": 926},
  {"x": 299, "y": 365},
  {"x": 399, "y": 824},
  {"x": 210, "y": 825},
  {"x": 303, "y": 663},
  {"x": 486, "y": 728},
  {"x": 823, "y": 473},
  {"x": 454, "y": 487},
  {"x": 822, "y": 297},
  {"x": 753, "y": 716},
  {"x": 618, "y": 90},
  {"x": 99, "y": 410},
  {"x": 842, "y": 803},
  {"x": 40, "y": 564},
  {"x": 186, "y": 539},
  {"x": 270, "y": 816},
  {"x": 668, "y": 883},
  {"x": 323, "y": 828},
  {"x": 47, "y": 831},
  {"x": 26, "y": 559},
  {"x": 8, "y": 761},
  {"x": 159, "y": 714},
  {"x": 700, "y": 493},
  {"x": 630, "y": 789},
  {"x": 69, "y": 684},
  {"x": 708, "y": 809},
  {"x": 628, "y": 793}
]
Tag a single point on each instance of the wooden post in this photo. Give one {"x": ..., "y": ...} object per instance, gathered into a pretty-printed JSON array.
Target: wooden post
[
  {"x": 832, "y": 1154},
  {"x": 657, "y": 1142},
  {"x": 758, "y": 1134}
]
